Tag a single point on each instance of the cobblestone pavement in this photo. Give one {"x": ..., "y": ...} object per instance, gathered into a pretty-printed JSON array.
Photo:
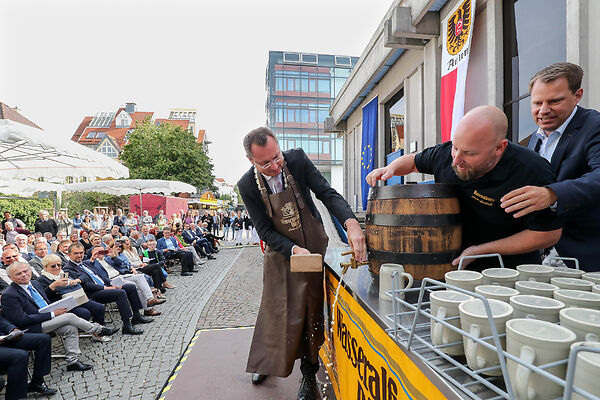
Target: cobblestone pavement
[
  {"x": 236, "y": 301},
  {"x": 225, "y": 293}
]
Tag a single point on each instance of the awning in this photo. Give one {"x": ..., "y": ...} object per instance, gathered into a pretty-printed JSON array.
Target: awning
[{"x": 27, "y": 152}]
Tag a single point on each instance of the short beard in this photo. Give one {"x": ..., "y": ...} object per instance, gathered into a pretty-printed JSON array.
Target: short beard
[{"x": 471, "y": 173}]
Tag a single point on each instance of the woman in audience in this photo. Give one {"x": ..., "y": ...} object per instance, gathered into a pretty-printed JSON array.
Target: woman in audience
[
  {"x": 153, "y": 270},
  {"x": 96, "y": 223},
  {"x": 226, "y": 223},
  {"x": 119, "y": 220},
  {"x": 87, "y": 224},
  {"x": 57, "y": 288},
  {"x": 131, "y": 223},
  {"x": 85, "y": 240},
  {"x": 109, "y": 220}
]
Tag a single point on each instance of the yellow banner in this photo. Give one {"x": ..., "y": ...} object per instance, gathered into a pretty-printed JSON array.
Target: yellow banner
[{"x": 363, "y": 361}]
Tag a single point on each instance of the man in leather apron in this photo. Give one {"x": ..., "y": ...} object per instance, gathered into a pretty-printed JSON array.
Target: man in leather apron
[{"x": 276, "y": 193}]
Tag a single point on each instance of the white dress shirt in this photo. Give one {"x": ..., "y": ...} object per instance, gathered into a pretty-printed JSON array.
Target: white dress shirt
[{"x": 549, "y": 142}]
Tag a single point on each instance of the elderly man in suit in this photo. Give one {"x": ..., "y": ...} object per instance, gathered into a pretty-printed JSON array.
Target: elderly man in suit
[
  {"x": 170, "y": 249},
  {"x": 14, "y": 357},
  {"x": 568, "y": 136},
  {"x": 40, "y": 250},
  {"x": 276, "y": 192},
  {"x": 21, "y": 303}
]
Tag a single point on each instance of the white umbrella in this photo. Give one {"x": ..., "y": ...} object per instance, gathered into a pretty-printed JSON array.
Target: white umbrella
[
  {"x": 27, "y": 152},
  {"x": 27, "y": 188},
  {"x": 132, "y": 186}
]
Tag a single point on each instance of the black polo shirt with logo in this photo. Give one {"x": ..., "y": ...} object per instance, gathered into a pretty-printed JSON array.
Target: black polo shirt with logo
[{"x": 483, "y": 220}]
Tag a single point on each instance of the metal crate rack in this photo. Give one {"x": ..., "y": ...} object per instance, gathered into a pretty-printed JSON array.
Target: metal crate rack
[{"x": 411, "y": 330}]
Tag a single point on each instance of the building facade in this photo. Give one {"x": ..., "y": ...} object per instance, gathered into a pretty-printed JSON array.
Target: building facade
[
  {"x": 400, "y": 67},
  {"x": 107, "y": 132},
  {"x": 300, "y": 89}
]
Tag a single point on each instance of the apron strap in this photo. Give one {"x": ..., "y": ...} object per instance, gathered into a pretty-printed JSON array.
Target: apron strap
[
  {"x": 292, "y": 183},
  {"x": 263, "y": 192}
]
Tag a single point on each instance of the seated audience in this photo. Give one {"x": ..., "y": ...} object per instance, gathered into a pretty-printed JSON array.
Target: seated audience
[
  {"x": 21, "y": 302},
  {"x": 154, "y": 270},
  {"x": 100, "y": 289},
  {"x": 57, "y": 288}
]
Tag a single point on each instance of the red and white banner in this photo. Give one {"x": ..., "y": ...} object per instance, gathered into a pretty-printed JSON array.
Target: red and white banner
[{"x": 458, "y": 30}]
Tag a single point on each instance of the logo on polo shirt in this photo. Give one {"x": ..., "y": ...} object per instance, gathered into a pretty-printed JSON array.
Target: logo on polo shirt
[{"x": 488, "y": 201}]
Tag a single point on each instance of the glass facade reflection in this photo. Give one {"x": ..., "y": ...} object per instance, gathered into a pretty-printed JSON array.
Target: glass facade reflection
[
  {"x": 535, "y": 37},
  {"x": 300, "y": 89}
]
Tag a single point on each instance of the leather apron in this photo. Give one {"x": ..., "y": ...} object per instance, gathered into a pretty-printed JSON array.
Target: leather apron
[{"x": 290, "y": 323}]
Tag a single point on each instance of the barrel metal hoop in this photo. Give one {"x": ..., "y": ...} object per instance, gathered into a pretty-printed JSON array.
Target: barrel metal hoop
[
  {"x": 422, "y": 220},
  {"x": 429, "y": 191},
  {"x": 445, "y": 257}
]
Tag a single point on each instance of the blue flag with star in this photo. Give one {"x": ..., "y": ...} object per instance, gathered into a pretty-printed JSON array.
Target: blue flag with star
[{"x": 367, "y": 156}]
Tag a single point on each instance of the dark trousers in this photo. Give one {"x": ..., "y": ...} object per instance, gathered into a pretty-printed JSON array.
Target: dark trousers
[
  {"x": 126, "y": 299},
  {"x": 14, "y": 357},
  {"x": 91, "y": 309},
  {"x": 155, "y": 272},
  {"x": 185, "y": 257}
]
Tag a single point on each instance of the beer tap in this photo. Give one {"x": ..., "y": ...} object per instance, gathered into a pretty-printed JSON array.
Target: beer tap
[{"x": 352, "y": 263}]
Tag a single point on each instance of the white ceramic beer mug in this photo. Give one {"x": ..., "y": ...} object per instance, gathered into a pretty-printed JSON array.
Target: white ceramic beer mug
[
  {"x": 537, "y": 343},
  {"x": 584, "y": 322},
  {"x": 385, "y": 280},
  {"x": 444, "y": 304},
  {"x": 474, "y": 320},
  {"x": 466, "y": 280}
]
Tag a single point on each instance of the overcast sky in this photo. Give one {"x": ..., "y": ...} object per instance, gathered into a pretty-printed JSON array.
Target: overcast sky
[{"x": 62, "y": 60}]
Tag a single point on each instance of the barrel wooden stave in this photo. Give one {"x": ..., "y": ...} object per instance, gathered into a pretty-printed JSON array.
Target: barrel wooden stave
[{"x": 424, "y": 250}]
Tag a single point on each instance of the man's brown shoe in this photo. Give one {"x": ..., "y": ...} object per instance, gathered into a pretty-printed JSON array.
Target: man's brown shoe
[
  {"x": 155, "y": 301},
  {"x": 151, "y": 312}
]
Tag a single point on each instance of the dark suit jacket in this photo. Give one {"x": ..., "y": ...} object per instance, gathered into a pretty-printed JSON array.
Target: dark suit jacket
[
  {"x": 188, "y": 236},
  {"x": 308, "y": 179},
  {"x": 161, "y": 244},
  {"x": 88, "y": 284},
  {"x": 5, "y": 326},
  {"x": 576, "y": 163},
  {"x": 21, "y": 310}
]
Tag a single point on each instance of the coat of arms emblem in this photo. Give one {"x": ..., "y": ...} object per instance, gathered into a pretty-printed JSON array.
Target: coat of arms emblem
[{"x": 458, "y": 28}]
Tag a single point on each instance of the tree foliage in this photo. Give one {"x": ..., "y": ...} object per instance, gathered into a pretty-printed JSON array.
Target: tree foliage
[
  {"x": 79, "y": 201},
  {"x": 26, "y": 209},
  {"x": 239, "y": 196},
  {"x": 166, "y": 151}
]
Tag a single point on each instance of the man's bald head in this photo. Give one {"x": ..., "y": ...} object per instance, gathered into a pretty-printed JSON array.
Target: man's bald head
[
  {"x": 485, "y": 122},
  {"x": 479, "y": 142}
]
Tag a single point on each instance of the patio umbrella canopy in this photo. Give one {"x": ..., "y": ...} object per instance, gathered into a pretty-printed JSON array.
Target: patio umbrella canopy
[
  {"x": 18, "y": 187},
  {"x": 27, "y": 152},
  {"x": 131, "y": 186}
]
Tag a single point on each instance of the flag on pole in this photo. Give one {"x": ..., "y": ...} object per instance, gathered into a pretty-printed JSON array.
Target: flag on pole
[
  {"x": 367, "y": 157},
  {"x": 458, "y": 30}
]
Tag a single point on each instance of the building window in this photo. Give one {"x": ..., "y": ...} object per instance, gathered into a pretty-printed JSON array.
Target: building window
[
  {"x": 343, "y": 61},
  {"x": 100, "y": 135},
  {"x": 534, "y": 37},
  {"x": 68, "y": 179},
  {"x": 324, "y": 86},
  {"x": 309, "y": 58},
  {"x": 91, "y": 135},
  {"x": 108, "y": 150},
  {"x": 291, "y": 57}
]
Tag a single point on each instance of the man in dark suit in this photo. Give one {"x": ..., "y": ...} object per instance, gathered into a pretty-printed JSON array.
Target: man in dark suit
[
  {"x": 276, "y": 192},
  {"x": 14, "y": 358},
  {"x": 569, "y": 138},
  {"x": 170, "y": 249},
  {"x": 201, "y": 244},
  {"x": 99, "y": 289},
  {"x": 40, "y": 250}
]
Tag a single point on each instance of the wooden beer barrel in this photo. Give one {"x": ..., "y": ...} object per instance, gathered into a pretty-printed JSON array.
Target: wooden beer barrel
[{"x": 417, "y": 226}]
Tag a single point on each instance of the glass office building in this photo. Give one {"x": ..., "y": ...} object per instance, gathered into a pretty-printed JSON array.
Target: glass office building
[{"x": 300, "y": 89}]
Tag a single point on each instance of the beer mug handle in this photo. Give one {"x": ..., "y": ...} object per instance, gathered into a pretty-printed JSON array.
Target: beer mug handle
[
  {"x": 591, "y": 337},
  {"x": 523, "y": 374},
  {"x": 471, "y": 348},
  {"x": 436, "y": 334},
  {"x": 410, "y": 279}
]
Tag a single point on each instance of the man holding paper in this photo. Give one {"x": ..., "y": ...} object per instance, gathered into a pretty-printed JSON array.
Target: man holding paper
[{"x": 21, "y": 304}]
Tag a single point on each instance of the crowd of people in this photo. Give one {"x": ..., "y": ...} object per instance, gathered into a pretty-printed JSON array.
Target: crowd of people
[{"x": 87, "y": 263}]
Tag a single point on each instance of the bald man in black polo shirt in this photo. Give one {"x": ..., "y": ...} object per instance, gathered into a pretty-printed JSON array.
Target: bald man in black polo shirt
[{"x": 485, "y": 166}]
